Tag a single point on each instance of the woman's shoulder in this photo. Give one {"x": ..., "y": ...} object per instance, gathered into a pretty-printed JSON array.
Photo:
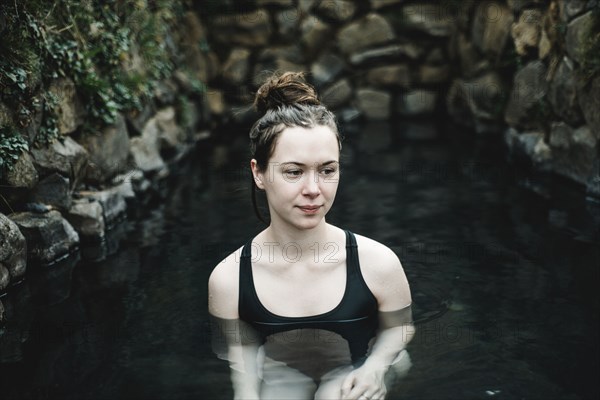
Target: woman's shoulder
[
  {"x": 223, "y": 286},
  {"x": 227, "y": 269},
  {"x": 374, "y": 252},
  {"x": 383, "y": 273}
]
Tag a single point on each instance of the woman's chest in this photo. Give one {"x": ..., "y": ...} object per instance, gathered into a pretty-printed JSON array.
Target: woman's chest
[{"x": 300, "y": 291}]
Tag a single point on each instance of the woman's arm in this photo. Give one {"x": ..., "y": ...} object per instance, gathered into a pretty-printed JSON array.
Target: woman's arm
[
  {"x": 233, "y": 339},
  {"x": 386, "y": 279}
]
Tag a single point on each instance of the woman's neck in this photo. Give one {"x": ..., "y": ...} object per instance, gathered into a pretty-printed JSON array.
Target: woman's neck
[{"x": 304, "y": 238}]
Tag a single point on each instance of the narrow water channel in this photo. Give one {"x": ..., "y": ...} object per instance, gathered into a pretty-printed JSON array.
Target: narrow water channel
[{"x": 504, "y": 281}]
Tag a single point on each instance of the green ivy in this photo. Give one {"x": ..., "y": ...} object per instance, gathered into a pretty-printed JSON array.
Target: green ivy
[
  {"x": 12, "y": 145},
  {"x": 87, "y": 42},
  {"x": 49, "y": 129}
]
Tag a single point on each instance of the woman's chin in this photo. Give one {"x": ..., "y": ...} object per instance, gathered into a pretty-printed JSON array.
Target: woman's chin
[{"x": 308, "y": 223}]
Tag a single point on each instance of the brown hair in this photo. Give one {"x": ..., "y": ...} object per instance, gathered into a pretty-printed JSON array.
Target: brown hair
[{"x": 284, "y": 100}]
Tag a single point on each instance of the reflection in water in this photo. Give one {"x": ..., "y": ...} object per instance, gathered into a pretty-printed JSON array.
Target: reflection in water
[{"x": 306, "y": 363}]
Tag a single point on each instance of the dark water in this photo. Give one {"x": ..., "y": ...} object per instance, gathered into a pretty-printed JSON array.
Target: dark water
[{"x": 504, "y": 282}]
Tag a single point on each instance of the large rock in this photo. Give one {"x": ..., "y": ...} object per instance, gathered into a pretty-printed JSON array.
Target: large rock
[
  {"x": 252, "y": 29},
  {"x": 278, "y": 3},
  {"x": 574, "y": 151},
  {"x": 280, "y": 58},
  {"x": 145, "y": 149},
  {"x": 216, "y": 101},
  {"x": 545, "y": 45},
  {"x": 291, "y": 53},
  {"x": 572, "y": 8},
  {"x": 431, "y": 18},
  {"x": 326, "y": 69},
  {"x": 589, "y": 101},
  {"x": 305, "y": 6},
  {"x": 518, "y": 5},
  {"x": 112, "y": 200},
  {"x": 86, "y": 216},
  {"x": 387, "y": 54},
  {"x": 235, "y": 69},
  {"x": 491, "y": 27},
  {"x": 579, "y": 33},
  {"x": 389, "y": 75},
  {"x": 416, "y": 102},
  {"x": 369, "y": 31},
  {"x": 23, "y": 174},
  {"x": 108, "y": 151},
  {"x": 49, "y": 236},
  {"x": 171, "y": 136},
  {"x": 64, "y": 156},
  {"x": 377, "y": 4},
  {"x": 133, "y": 185},
  {"x": 562, "y": 93},
  {"x": 4, "y": 278},
  {"x": 13, "y": 248},
  {"x": 526, "y": 31},
  {"x": 480, "y": 98},
  {"x": 529, "y": 146},
  {"x": 288, "y": 23},
  {"x": 54, "y": 190},
  {"x": 70, "y": 110},
  {"x": 338, "y": 10},
  {"x": 433, "y": 74},
  {"x": 194, "y": 31},
  {"x": 528, "y": 90},
  {"x": 337, "y": 94},
  {"x": 374, "y": 104},
  {"x": 313, "y": 34},
  {"x": 17, "y": 263},
  {"x": 471, "y": 62},
  {"x": 11, "y": 239}
]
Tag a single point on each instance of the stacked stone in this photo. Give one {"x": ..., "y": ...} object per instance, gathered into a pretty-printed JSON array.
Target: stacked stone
[
  {"x": 376, "y": 59},
  {"x": 79, "y": 187},
  {"x": 550, "y": 107}
]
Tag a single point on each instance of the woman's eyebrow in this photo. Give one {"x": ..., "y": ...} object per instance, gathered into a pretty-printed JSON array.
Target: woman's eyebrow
[{"x": 303, "y": 165}]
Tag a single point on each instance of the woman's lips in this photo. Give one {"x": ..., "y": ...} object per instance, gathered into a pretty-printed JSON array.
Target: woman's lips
[{"x": 309, "y": 209}]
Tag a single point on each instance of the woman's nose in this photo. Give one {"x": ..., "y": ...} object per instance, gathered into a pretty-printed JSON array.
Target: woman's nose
[{"x": 311, "y": 185}]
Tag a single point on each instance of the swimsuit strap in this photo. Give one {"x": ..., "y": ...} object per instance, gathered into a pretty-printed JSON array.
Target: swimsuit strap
[
  {"x": 247, "y": 250},
  {"x": 352, "y": 263}
]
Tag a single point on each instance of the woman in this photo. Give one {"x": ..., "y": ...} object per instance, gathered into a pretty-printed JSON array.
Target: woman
[{"x": 303, "y": 283}]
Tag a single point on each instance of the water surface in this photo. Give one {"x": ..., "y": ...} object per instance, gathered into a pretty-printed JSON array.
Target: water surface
[{"x": 504, "y": 281}]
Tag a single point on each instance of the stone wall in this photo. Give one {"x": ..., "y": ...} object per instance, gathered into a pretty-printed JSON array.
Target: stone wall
[
  {"x": 58, "y": 198},
  {"x": 377, "y": 59},
  {"x": 526, "y": 69},
  {"x": 532, "y": 68}
]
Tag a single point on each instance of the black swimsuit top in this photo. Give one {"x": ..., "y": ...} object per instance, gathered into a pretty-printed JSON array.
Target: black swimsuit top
[{"x": 354, "y": 318}]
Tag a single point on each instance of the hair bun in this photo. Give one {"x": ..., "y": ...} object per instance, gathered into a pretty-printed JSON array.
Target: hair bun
[{"x": 286, "y": 89}]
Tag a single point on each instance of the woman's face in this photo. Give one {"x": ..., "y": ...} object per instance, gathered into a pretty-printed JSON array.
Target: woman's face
[{"x": 301, "y": 178}]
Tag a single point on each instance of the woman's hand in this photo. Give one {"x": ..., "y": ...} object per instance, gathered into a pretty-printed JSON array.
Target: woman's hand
[{"x": 364, "y": 383}]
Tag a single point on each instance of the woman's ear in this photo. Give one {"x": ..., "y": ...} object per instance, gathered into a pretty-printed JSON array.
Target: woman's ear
[{"x": 256, "y": 174}]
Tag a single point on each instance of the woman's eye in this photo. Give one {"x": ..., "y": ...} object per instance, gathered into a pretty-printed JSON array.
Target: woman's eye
[
  {"x": 295, "y": 172},
  {"x": 328, "y": 171}
]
